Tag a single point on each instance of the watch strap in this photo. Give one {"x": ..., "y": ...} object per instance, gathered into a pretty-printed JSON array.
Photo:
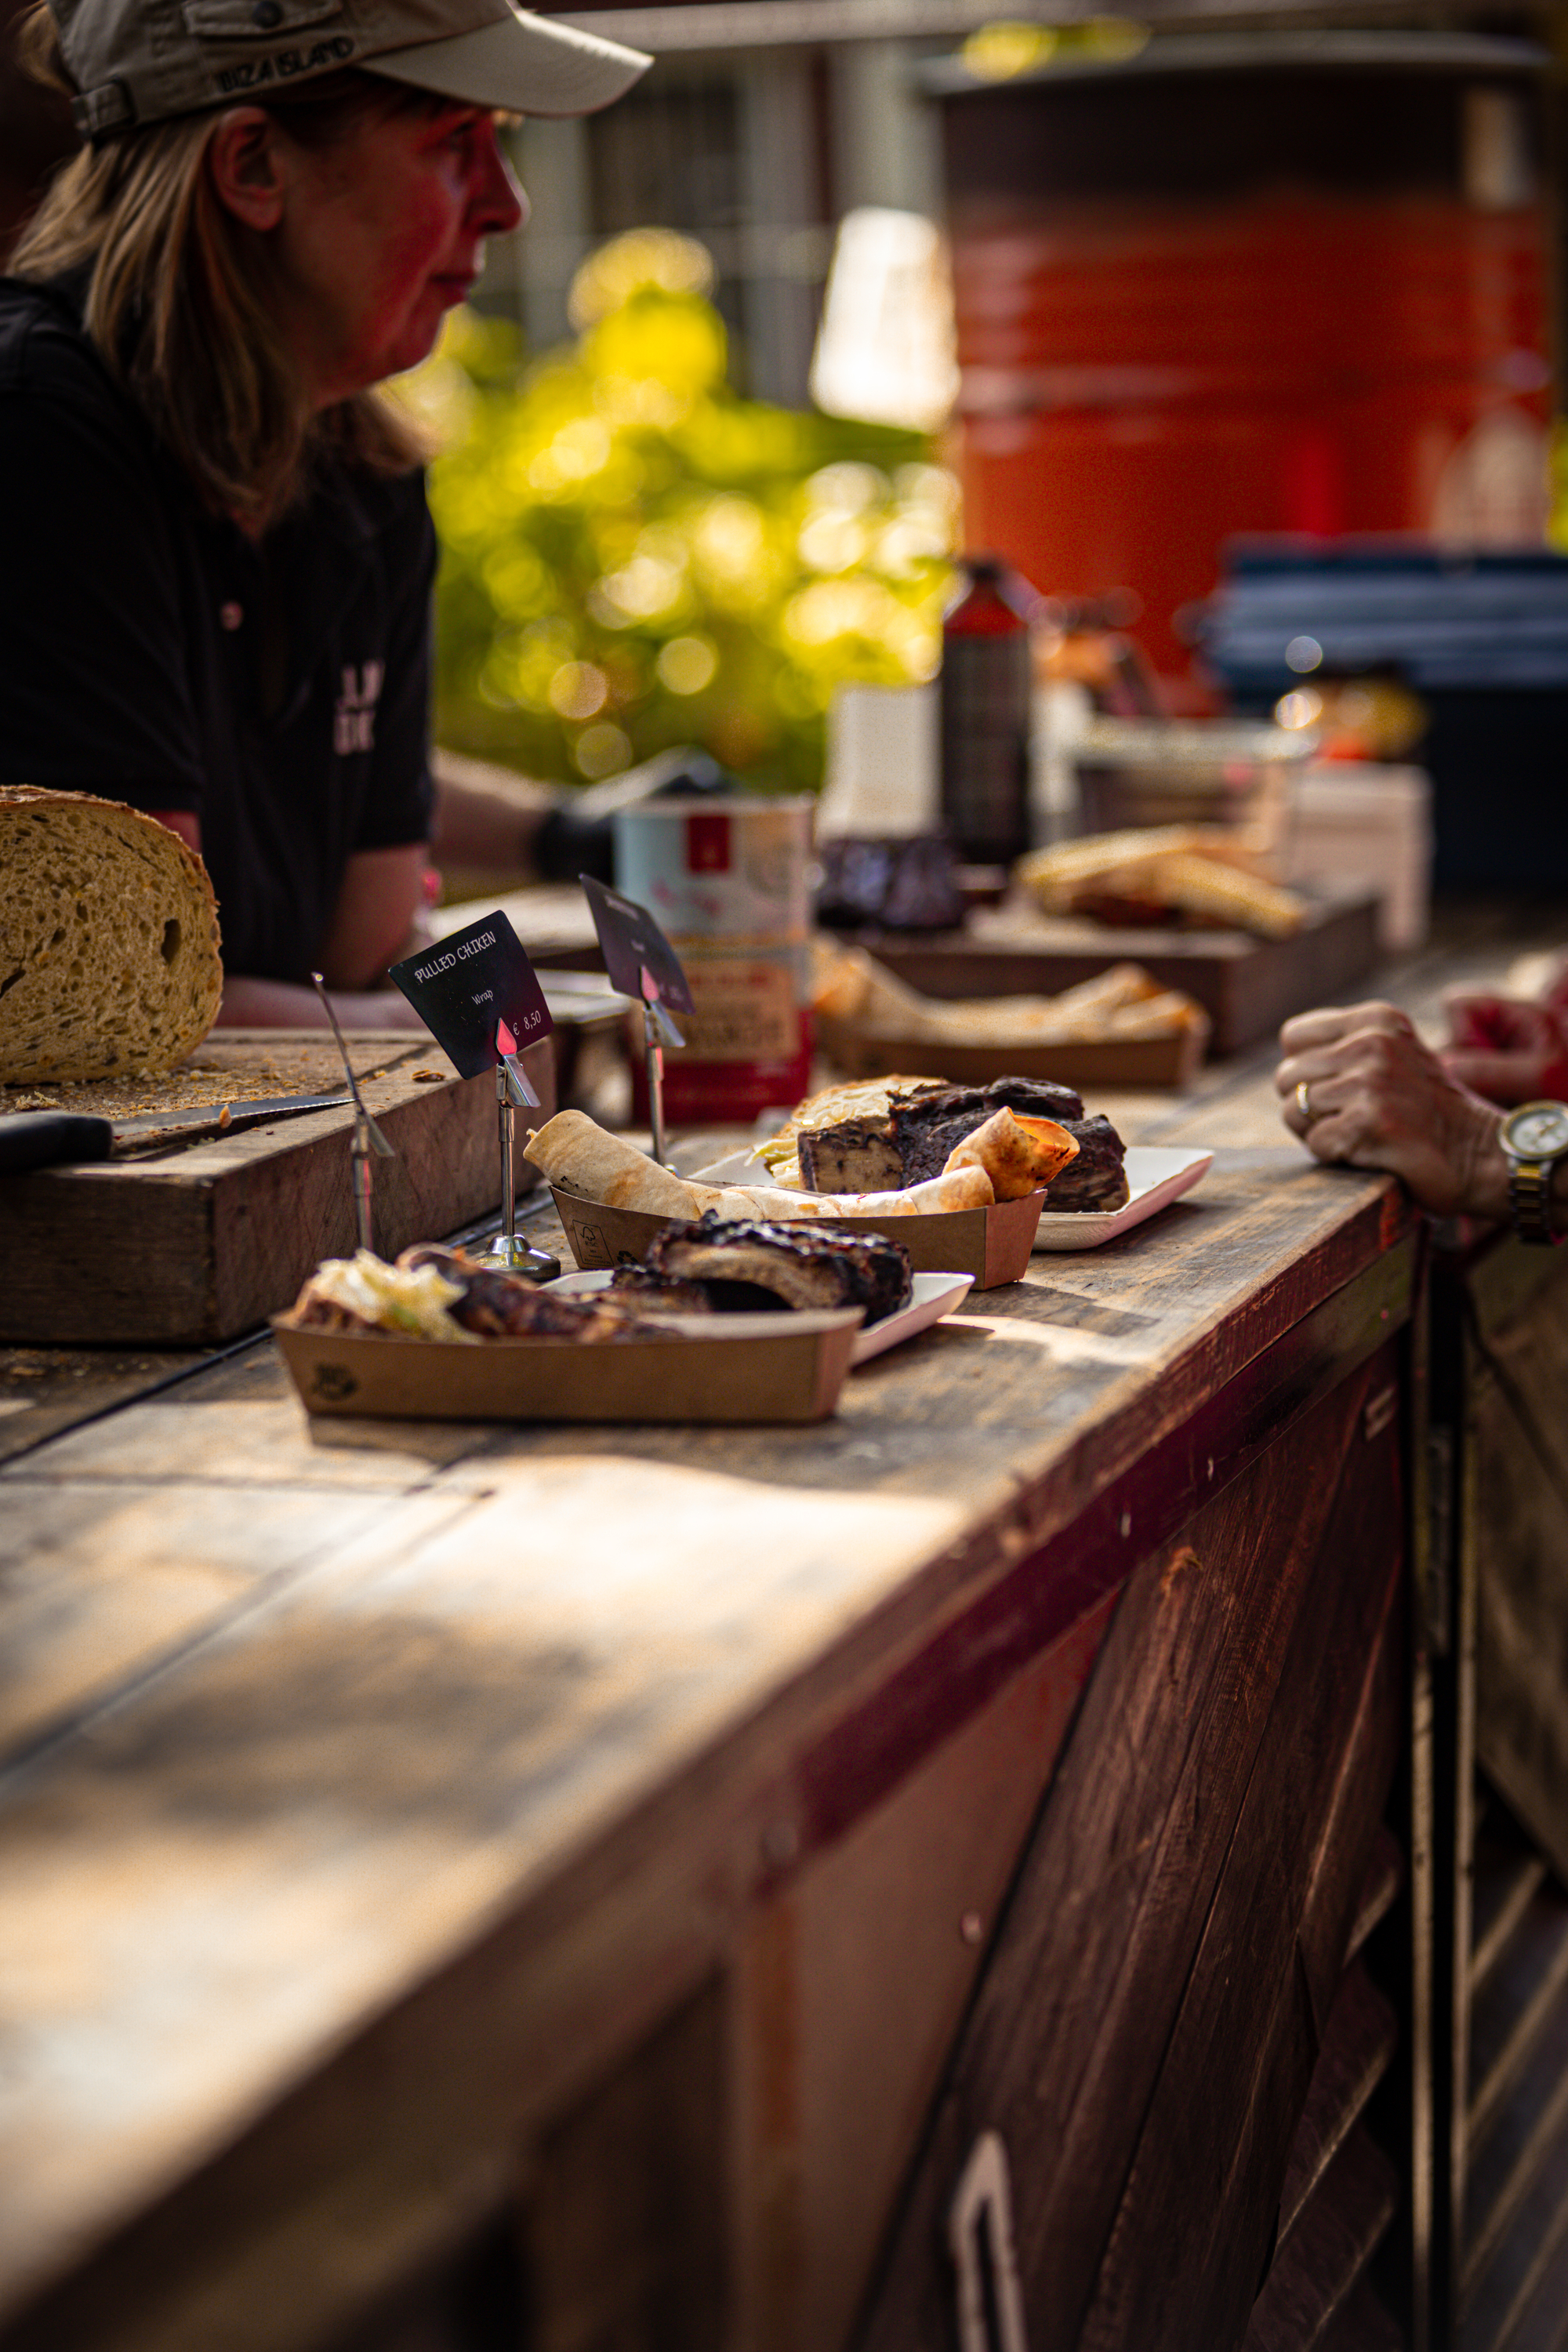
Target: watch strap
[{"x": 1529, "y": 1199}]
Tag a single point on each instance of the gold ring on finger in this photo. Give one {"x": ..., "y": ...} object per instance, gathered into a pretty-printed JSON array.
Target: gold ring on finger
[{"x": 1304, "y": 1102}]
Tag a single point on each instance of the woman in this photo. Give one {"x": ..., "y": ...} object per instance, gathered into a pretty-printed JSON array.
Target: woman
[{"x": 215, "y": 597}]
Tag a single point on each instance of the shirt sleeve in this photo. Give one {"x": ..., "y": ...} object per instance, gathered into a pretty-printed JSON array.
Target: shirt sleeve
[
  {"x": 399, "y": 808},
  {"x": 92, "y": 638}
]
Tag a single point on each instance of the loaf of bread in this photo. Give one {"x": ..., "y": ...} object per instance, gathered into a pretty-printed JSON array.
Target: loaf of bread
[{"x": 109, "y": 941}]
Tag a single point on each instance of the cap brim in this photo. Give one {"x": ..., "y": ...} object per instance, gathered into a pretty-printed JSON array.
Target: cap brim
[{"x": 521, "y": 64}]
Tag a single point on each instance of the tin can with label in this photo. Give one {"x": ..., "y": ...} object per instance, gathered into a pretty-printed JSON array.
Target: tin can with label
[{"x": 727, "y": 881}]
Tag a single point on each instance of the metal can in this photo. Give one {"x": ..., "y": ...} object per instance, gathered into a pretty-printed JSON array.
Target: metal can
[{"x": 728, "y": 880}]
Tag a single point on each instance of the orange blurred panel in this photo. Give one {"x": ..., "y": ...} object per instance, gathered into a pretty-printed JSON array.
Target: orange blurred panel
[{"x": 1143, "y": 379}]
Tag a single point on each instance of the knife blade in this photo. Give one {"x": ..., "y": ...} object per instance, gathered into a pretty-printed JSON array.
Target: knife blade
[{"x": 53, "y": 1138}]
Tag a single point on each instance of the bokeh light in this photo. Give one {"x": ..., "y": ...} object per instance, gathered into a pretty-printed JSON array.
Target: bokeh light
[{"x": 634, "y": 557}]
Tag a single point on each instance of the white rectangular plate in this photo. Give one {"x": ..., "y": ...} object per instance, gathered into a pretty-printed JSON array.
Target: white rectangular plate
[
  {"x": 1155, "y": 1175},
  {"x": 735, "y": 1168},
  {"x": 936, "y": 1294}
]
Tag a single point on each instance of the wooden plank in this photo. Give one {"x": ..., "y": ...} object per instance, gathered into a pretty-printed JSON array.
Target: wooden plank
[
  {"x": 1541, "y": 2325},
  {"x": 440, "y": 1789},
  {"x": 1216, "y": 2134},
  {"x": 858, "y": 1971},
  {"x": 44, "y": 1391},
  {"x": 1326, "y": 2253},
  {"x": 204, "y": 1241},
  {"x": 79, "y": 1630},
  {"x": 1520, "y": 1517},
  {"x": 1524, "y": 2129},
  {"x": 1511, "y": 2011},
  {"x": 1362, "y": 2324},
  {"x": 235, "y": 1427},
  {"x": 474, "y": 2298},
  {"x": 625, "y": 2229},
  {"x": 1362, "y": 2036},
  {"x": 1068, "y": 2036},
  {"x": 1504, "y": 1880},
  {"x": 1246, "y": 986},
  {"x": 1529, "y": 2257},
  {"x": 1384, "y": 1877}
]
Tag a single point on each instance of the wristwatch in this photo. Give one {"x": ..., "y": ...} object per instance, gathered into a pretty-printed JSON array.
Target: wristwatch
[{"x": 1535, "y": 1138}]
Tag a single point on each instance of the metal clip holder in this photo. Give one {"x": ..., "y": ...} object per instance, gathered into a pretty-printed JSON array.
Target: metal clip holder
[
  {"x": 658, "y": 1031},
  {"x": 368, "y": 1137},
  {"x": 508, "y": 1253}
]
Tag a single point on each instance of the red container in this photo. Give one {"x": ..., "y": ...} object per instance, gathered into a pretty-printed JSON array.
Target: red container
[
  {"x": 727, "y": 881},
  {"x": 1270, "y": 297}
]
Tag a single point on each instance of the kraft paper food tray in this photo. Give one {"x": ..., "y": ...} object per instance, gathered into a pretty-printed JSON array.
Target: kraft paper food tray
[
  {"x": 862, "y": 1053},
  {"x": 755, "y": 1368},
  {"x": 992, "y": 1245}
]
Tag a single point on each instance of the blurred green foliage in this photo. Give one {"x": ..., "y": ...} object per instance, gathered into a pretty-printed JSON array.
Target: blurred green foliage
[{"x": 634, "y": 557}]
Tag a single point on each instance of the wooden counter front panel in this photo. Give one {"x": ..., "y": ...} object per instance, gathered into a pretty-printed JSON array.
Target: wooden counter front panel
[
  {"x": 1146, "y": 2029},
  {"x": 1517, "y": 1521}
]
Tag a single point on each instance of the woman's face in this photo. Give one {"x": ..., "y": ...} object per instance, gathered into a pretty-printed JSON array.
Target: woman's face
[{"x": 380, "y": 234}]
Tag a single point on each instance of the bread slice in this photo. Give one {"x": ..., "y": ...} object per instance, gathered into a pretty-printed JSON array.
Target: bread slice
[{"x": 109, "y": 941}]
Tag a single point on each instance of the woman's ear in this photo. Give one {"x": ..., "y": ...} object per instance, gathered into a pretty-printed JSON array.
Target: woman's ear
[{"x": 246, "y": 167}]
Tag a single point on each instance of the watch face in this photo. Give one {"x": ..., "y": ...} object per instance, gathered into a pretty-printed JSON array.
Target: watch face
[{"x": 1539, "y": 1131}]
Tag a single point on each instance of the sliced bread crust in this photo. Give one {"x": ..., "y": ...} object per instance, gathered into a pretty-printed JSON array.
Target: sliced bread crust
[{"x": 109, "y": 941}]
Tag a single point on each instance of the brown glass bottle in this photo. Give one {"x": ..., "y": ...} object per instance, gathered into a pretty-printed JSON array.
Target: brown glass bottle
[{"x": 985, "y": 690}]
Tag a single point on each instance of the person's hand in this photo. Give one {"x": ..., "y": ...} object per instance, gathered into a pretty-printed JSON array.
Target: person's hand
[
  {"x": 1360, "y": 1087},
  {"x": 1512, "y": 1049}
]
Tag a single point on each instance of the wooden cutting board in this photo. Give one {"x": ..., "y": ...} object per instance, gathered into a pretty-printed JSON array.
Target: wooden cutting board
[
  {"x": 195, "y": 1242},
  {"x": 1246, "y": 986}
]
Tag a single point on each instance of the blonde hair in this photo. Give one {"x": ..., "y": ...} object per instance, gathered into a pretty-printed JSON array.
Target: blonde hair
[{"x": 177, "y": 297}]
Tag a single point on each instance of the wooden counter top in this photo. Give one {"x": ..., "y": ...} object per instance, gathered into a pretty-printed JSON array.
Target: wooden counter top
[
  {"x": 307, "y": 1734},
  {"x": 365, "y": 1791}
]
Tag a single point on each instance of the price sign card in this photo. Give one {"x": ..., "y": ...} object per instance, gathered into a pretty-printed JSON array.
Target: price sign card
[
  {"x": 467, "y": 985},
  {"x": 632, "y": 943}
]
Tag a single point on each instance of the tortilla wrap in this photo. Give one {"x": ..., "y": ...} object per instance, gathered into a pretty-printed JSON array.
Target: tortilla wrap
[{"x": 1019, "y": 1154}]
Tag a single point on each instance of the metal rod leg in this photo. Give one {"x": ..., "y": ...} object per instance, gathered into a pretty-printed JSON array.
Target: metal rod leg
[
  {"x": 655, "y": 1062},
  {"x": 362, "y": 1180},
  {"x": 508, "y": 1163}
]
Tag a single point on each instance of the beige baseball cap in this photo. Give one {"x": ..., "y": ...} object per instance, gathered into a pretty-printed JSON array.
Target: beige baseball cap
[{"x": 145, "y": 60}]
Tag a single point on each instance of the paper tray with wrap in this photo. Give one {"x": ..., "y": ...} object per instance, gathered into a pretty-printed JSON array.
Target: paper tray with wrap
[{"x": 991, "y": 1244}]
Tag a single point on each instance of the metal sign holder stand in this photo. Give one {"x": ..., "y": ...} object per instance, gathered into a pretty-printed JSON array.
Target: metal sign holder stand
[{"x": 508, "y": 1253}]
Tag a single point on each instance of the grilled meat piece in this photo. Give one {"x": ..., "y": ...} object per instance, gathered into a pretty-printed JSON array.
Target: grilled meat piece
[
  {"x": 859, "y": 1155},
  {"x": 1097, "y": 1178},
  {"x": 504, "y": 1306},
  {"x": 926, "y": 1127},
  {"x": 1041, "y": 1098},
  {"x": 744, "y": 1265},
  {"x": 659, "y": 1294}
]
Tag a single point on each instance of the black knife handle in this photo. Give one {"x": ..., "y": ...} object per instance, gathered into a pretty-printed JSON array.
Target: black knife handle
[{"x": 50, "y": 1139}]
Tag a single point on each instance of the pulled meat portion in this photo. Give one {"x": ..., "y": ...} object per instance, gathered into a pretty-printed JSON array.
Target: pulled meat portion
[
  {"x": 929, "y": 1126},
  {"x": 911, "y": 1140},
  {"x": 443, "y": 1293},
  {"x": 743, "y": 1266},
  {"x": 858, "y": 1155},
  {"x": 1097, "y": 1179},
  {"x": 496, "y": 1306}
]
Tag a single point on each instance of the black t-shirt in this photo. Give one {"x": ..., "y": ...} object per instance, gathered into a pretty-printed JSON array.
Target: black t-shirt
[{"x": 150, "y": 653}]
